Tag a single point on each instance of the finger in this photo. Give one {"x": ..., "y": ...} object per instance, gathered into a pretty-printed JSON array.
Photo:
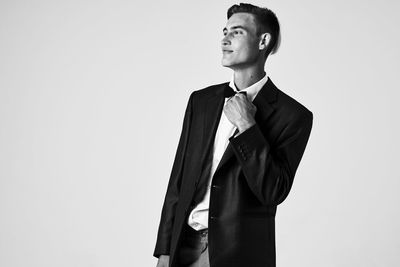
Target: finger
[{"x": 242, "y": 95}]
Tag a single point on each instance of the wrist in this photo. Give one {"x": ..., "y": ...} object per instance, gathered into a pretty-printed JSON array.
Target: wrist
[{"x": 246, "y": 125}]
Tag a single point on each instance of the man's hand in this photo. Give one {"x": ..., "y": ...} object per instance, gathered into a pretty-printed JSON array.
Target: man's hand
[
  {"x": 163, "y": 261},
  {"x": 240, "y": 112}
]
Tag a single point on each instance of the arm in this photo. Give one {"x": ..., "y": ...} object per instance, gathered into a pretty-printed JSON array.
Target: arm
[
  {"x": 172, "y": 194},
  {"x": 270, "y": 173}
]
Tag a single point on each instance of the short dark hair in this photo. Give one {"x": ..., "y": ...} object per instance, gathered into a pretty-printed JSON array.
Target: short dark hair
[{"x": 266, "y": 20}]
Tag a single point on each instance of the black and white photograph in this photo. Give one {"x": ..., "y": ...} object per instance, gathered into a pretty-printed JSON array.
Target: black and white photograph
[{"x": 199, "y": 133}]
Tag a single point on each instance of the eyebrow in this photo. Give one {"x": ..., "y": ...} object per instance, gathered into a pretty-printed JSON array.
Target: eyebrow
[{"x": 235, "y": 27}]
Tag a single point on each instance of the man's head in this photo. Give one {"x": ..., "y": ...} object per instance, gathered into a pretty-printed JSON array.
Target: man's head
[{"x": 250, "y": 35}]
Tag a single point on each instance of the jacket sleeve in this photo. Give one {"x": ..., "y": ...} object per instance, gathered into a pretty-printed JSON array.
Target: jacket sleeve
[
  {"x": 270, "y": 171},
  {"x": 172, "y": 195}
]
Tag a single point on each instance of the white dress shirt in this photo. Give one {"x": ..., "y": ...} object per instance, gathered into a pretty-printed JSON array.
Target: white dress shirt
[{"x": 198, "y": 218}]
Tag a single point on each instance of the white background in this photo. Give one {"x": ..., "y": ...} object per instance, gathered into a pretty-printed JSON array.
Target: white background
[{"x": 92, "y": 97}]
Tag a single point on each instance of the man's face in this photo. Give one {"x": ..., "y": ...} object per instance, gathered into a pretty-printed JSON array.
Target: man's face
[{"x": 240, "y": 45}]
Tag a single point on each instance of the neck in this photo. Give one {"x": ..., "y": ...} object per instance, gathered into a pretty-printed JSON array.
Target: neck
[{"x": 244, "y": 78}]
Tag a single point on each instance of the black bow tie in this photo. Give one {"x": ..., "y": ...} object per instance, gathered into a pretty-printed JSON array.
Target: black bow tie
[{"x": 229, "y": 92}]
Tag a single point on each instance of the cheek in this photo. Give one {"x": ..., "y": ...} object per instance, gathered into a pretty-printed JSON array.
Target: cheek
[
  {"x": 247, "y": 52},
  {"x": 248, "y": 49}
]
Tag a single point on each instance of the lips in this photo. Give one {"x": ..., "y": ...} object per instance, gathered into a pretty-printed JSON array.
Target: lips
[{"x": 227, "y": 51}]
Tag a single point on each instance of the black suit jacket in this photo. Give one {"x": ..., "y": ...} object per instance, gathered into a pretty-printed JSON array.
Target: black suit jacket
[{"x": 254, "y": 175}]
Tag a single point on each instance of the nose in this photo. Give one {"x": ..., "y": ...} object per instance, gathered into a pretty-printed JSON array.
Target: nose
[{"x": 225, "y": 40}]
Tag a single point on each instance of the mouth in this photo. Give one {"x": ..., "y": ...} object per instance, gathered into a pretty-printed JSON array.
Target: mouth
[{"x": 227, "y": 51}]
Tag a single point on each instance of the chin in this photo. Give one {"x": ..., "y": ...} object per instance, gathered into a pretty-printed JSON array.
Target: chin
[{"x": 226, "y": 63}]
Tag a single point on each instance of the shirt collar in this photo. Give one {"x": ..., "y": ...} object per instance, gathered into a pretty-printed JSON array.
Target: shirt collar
[{"x": 252, "y": 90}]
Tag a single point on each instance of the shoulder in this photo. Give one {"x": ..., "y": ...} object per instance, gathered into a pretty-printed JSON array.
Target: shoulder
[
  {"x": 291, "y": 107},
  {"x": 208, "y": 91}
]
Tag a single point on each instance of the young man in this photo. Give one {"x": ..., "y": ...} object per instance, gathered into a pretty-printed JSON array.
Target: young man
[{"x": 240, "y": 146}]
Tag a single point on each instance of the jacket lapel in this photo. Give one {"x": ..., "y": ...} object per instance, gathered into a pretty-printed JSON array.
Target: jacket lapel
[{"x": 212, "y": 110}]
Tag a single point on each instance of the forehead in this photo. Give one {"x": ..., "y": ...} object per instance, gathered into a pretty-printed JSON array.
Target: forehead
[{"x": 243, "y": 19}]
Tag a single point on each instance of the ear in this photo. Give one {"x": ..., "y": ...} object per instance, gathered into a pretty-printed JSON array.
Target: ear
[{"x": 264, "y": 41}]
